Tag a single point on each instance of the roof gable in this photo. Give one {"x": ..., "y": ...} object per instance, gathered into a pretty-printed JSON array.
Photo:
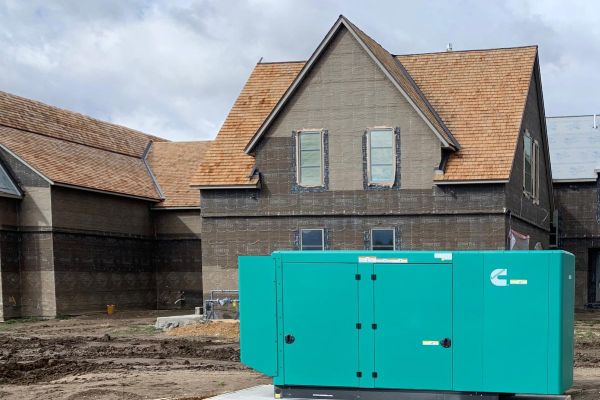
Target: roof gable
[
  {"x": 478, "y": 95},
  {"x": 389, "y": 66}
]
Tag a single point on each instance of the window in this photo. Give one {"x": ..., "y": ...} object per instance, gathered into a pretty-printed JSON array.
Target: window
[
  {"x": 381, "y": 157},
  {"x": 527, "y": 163},
  {"x": 312, "y": 239},
  {"x": 310, "y": 158},
  {"x": 531, "y": 166},
  {"x": 536, "y": 167},
  {"x": 383, "y": 239}
]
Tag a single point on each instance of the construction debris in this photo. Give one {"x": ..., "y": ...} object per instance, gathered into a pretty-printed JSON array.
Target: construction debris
[{"x": 227, "y": 329}]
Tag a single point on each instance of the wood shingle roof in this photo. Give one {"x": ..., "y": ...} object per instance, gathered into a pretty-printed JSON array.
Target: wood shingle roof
[
  {"x": 74, "y": 150},
  {"x": 474, "y": 99},
  {"x": 173, "y": 163}
]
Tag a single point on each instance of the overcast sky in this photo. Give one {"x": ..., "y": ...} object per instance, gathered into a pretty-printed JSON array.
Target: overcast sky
[{"x": 174, "y": 68}]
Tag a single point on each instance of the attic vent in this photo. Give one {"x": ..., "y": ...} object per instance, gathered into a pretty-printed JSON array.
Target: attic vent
[
  {"x": 595, "y": 122},
  {"x": 449, "y": 47}
]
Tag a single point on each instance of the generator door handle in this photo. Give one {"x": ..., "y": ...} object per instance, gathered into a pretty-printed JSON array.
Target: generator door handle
[
  {"x": 289, "y": 339},
  {"x": 446, "y": 343}
]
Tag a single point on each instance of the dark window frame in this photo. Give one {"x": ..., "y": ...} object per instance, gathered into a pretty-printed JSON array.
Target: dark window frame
[
  {"x": 313, "y": 247},
  {"x": 383, "y": 229}
]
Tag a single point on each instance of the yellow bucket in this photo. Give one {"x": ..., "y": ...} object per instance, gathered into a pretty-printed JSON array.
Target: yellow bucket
[{"x": 110, "y": 309}]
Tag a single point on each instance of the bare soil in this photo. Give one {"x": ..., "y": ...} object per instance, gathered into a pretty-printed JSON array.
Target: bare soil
[{"x": 123, "y": 357}]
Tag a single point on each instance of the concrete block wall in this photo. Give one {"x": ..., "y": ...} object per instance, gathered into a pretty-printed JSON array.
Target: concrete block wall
[
  {"x": 178, "y": 265},
  {"x": 226, "y": 238},
  {"x": 91, "y": 271},
  {"x": 38, "y": 289},
  {"x": 10, "y": 286},
  {"x": 578, "y": 228}
]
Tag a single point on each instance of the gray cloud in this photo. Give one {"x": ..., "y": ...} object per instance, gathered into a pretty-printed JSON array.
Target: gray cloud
[{"x": 175, "y": 68}]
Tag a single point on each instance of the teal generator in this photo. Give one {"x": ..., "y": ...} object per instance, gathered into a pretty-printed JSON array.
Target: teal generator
[{"x": 410, "y": 324}]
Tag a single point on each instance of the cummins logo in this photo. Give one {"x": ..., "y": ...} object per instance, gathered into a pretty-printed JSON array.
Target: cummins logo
[{"x": 498, "y": 277}]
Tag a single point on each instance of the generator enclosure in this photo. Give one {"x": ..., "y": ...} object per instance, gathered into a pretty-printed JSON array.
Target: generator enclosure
[{"x": 452, "y": 321}]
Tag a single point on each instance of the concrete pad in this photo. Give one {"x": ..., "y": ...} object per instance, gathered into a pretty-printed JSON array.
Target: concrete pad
[
  {"x": 176, "y": 321},
  {"x": 265, "y": 392},
  {"x": 262, "y": 392}
]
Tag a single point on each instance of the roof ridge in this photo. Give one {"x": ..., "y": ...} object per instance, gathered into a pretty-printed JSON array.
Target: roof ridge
[
  {"x": 467, "y": 50},
  {"x": 422, "y": 54},
  {"x": 281, "y": 62},
  {"x": 184, "y": 141},
  {"x": 69, "y": 141}
]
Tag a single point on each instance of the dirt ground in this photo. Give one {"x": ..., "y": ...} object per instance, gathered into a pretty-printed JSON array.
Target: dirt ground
[{"x": 123, "y": 357}]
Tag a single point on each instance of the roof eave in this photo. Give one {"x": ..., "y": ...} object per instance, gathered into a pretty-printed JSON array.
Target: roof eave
[
  {"x": 120, "y": 194},
  {"x": 226, "y": 186},
  {"x": 470, "y": 181}
]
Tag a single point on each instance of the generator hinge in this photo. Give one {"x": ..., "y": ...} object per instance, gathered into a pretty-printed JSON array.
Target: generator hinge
[
  {"x": 357, "y": 277},
  {"x": 374, "y": 374},
  {"x": 374, "y": 326},
  {"x": 359, "y": 374},
  {"x": 358, "y": 325},
  {"x": 373, "y": 277}
]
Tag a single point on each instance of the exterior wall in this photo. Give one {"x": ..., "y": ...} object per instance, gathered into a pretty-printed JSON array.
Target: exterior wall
[
  {"x": 102, "y": 251},
  {"x": 35, "y": 226},
  {"x": 528, "y": 217},
  {"x": 170, "y": 223},
  {"x": 96, "y": 212},
  {"x": 10, "y": 280},
  {"x": 578, "y": 228},
  {"x": 226, "y": 238},
  {"x": 93, "y": 270},
  {"x": 243, "y": 222},
  {"x": 178, "y": 257},
  {"x": 346, "y": 93}
]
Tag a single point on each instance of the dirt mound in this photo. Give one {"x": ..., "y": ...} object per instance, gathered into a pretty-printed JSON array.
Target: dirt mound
[
  {"x": 221, "y": 329},
  {"x": 32, "y": 360},
  {"x": 41, "y": 370}
]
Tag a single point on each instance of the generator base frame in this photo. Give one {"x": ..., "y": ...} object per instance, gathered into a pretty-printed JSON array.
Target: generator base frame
[{"x": 310, "y": 392}]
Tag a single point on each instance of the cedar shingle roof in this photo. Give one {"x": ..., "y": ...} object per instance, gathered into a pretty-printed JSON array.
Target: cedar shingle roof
[
  {"x": 78, "y": 165},
  {"x": 173, "y": 163},
  {"x": 475, "y": 99},
  {"x": 481, "y": 97},
  {"x": 226, "y": 163},
  {"x": 71, "y": 149},
  {"x": 33, "y": 116}
]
